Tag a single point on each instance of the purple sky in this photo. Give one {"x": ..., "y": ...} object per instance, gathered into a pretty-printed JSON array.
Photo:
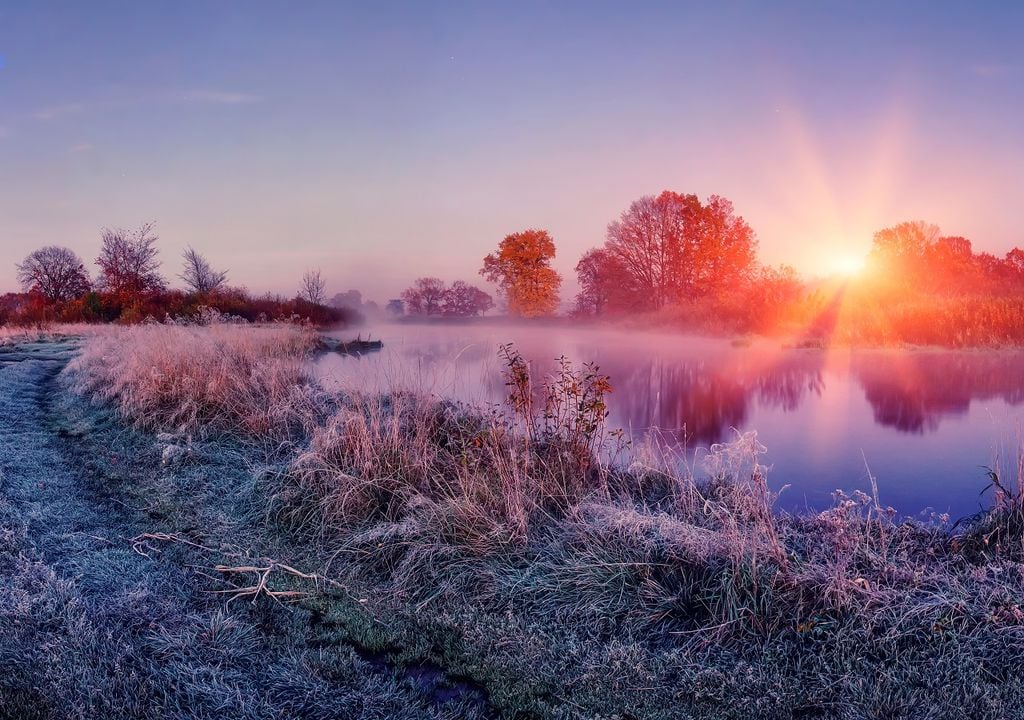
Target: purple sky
[{"x": 383, "y": 141}]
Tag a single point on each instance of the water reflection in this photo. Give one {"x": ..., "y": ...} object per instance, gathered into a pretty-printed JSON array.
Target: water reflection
[
  {"x": 702, "y": 399},
  {"x": 701, "y": 389},
  {"x": 913, "y": 391},
  {"x": 925, "y": 420}
]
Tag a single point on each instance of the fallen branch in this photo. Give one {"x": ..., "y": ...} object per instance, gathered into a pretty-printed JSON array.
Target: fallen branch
[
  {"x": 261, "y": 586},
  {"x": 262, "y": 572},
  {"x": 139, "y": 541}
]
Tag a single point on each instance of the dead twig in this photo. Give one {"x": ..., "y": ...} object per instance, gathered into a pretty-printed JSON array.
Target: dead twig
[
  {"x": 261, "y": 585},
  {"x": 139, "y": 541}
]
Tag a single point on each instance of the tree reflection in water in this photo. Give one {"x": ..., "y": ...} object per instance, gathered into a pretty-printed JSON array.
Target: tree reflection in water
[
  {"x": 696, "y": 392},
  {"x": 701, "y": 399},
  {"x": 913, "y": 391},
  {"x": 821, "y": 413}
]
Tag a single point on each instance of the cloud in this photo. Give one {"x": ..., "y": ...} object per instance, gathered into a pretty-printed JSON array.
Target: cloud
[
  {"x": 192, "y": 97},
  {"x": 4, "y": 132},
  {"x": 989, "y": 70},
  {"x": 59, "y": 111},
  {"x": 219, "y": 97},
  {"x": 80, "y": 148}
]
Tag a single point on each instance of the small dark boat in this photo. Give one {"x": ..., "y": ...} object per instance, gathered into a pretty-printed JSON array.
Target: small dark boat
[
  {"x": 351, "y": 347},
  {"x": 359, "y": 346}
]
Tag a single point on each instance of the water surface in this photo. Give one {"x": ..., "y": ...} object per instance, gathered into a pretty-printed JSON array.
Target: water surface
[{"x": 923, "y": 421}]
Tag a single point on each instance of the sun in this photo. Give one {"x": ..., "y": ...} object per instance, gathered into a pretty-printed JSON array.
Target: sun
[{"x": 847, "y": 265}]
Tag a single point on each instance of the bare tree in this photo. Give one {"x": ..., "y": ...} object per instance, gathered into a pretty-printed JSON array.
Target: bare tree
[
  {"x": 56, "y": 273},
  {"x": 199, "y": 275},
  {"x": 128, "y": 262},
  {"x": 465, "y": 300},
  {"x": 313, "y": 288}
]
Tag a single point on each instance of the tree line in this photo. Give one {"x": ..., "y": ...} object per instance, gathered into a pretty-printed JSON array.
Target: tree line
[
  {"x": 431, "y": 296},
  {"x": 676, "y": 259},
  {"x": 916, "y": 256},
  {"x": 663, "y": 251},
  {"x": 671, "y": 257},
  {"x": 130, "y": 287},
  {"x": 926, "y": 288}
]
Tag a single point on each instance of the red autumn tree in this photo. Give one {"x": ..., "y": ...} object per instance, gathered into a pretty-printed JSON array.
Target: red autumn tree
[
  {"x": 606, "y": 286},
  {"x": 674, "y": 248},
  {"x": 522, "y": 269}
]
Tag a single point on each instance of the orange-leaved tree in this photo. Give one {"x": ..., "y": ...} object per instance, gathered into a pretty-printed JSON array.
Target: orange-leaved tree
[{"x": 522, "y": 269}]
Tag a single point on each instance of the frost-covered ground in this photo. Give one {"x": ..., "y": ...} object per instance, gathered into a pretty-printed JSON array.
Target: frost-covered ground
[{"x": 106, "y": 611}]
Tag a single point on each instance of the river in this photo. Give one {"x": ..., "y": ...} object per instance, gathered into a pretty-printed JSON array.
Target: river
[{"x": 923, "y": 422}]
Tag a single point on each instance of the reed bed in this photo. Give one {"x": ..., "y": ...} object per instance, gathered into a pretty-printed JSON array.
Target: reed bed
[
  {"x": 958, "y": 321},
  {"x": 190, "y": 379}
]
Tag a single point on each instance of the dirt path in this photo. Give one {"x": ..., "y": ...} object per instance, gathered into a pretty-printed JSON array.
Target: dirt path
[{"x": 96, "y": 625}]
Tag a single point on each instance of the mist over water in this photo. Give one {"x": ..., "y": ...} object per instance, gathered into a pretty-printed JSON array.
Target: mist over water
[{"x": 924, "y": 421}]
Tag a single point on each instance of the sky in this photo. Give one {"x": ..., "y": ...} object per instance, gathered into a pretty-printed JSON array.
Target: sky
[{"x": 383, "y": 141}]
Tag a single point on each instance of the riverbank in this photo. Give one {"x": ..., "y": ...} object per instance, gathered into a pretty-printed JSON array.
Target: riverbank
[
  {"x": 111, "y": 604},
  {"x": 488, "y": 550}
]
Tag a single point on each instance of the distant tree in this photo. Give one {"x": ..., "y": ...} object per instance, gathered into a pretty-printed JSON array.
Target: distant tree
[
  {"x": 465, "y": 300},
  {"x": 771, "y": 291},
  {"x": 199, "y": 275},
  {"x": 1014, "y": 261},
  {"x": 605, "y": 284},
  {"x": 313, "y": 288},
  {"x": 952, "y": 249},
  {"x": 949, "y": 265},
  {"x": 522, "y": 269},
  {"x": 128, "y": 263},
  {"x": 425, "y": 297},
  {"x": 54, "y": 273},
  {"x": 901, "y": 249},
  {"x": 395, "y": 308},
  {"x": 651, "y": 239},
  {"x": 913, "y": 257},
  {"x": 351, "y": 299},
  {"x": 988, "y": 266}
]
